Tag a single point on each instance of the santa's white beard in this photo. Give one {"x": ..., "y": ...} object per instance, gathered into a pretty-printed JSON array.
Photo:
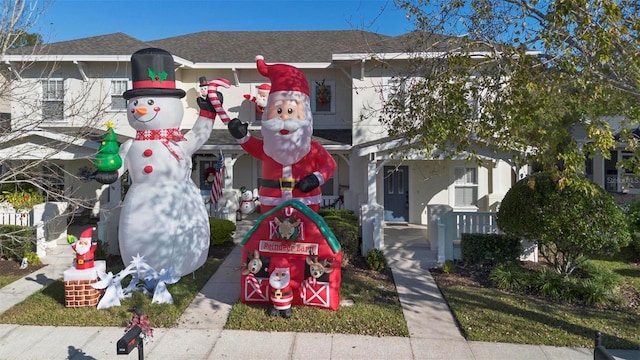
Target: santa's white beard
[
  {"x": 82, "y": 248},
  {"x": 290, "y": 148},
  {"x": 261, "y": 101},
  {"x": 279, "y": 282}
]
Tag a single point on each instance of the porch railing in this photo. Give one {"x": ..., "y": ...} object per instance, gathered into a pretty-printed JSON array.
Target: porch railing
[{"x": 446, "y": 227}]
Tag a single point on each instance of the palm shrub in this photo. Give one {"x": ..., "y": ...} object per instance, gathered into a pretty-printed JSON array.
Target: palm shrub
[
  {"x": 376, "y": 260},
  {"x": 508, "y": 276},
  {"x": 589, "y": 284},
  {"x": 569, "y": 219}
]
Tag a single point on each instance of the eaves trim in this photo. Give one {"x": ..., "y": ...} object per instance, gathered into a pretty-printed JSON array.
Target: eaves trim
[
  {"x": 407, "y": 56},
  {"x": 85, "y": 58}
]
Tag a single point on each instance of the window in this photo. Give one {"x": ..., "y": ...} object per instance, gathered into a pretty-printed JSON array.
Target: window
[
  {"x": 327, "y": 187},
  {"x": 630, "y": 183},
  {"x": 465, "y": 187},
  {"x": 53, "y": 181},
  {"x": 53, "y": 100},
  {"x": 322, "y": 96},
  {"x": 396, "y": 89},
  {"x": 117, "y": 88}
]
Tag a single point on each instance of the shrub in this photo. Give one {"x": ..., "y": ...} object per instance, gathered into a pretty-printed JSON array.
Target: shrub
[
  {"x": 221, "y": 231},
  {"x": 344, "y": 225},
  {"x": 448, "y": 267},
  {"x": 346, "y": 215},
  {"x": 22, "y": 199},
  {"x": 633, "y": 219},
  {"x": 509, "y": 277},
  {"x": 588, "y": 285},
  {"x": 16, "y": 241},
  {"x": 569, "y": 219},
  {"x": 376, "y": 260},
  {"x": 32, "y": 257},
  {"x": 347, "y": 235},
  {"x": 498, "y": 248}
]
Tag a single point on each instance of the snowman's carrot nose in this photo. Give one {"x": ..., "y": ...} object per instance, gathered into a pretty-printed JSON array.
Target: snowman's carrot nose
[{"x": 141, "y": 110}]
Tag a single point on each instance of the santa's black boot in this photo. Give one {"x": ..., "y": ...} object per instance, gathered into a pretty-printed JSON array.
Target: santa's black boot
[
  {"x": 286, "y": 313},
  {"x": 274, "y": 312}
]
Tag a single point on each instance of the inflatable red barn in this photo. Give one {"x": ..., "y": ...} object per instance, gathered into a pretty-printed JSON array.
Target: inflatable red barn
[{"x": 298, "y": 234}]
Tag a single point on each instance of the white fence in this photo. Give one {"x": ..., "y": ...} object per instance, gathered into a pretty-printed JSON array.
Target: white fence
[{"x": 16, "y": 218}]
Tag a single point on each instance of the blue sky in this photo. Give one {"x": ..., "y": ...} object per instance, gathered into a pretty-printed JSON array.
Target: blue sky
[{"x": 151, "y": 20}]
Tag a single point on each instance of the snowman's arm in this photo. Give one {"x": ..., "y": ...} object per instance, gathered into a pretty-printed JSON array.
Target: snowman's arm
[{"x": 198, "y": 135}]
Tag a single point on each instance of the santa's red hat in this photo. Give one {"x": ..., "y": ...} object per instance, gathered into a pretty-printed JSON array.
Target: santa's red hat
[
  {"x": 87, "y": 234},
  {"x": 264, "y": 87},
  {"x": 278, "y": 263},
  {"x": 283, "y": 77}
]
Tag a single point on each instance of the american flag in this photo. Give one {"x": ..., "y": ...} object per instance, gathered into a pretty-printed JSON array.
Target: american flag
[{"x": 218, "y": 179}]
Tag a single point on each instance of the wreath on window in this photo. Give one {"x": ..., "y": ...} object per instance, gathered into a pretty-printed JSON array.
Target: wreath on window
[{"x": 322, "y": 93}]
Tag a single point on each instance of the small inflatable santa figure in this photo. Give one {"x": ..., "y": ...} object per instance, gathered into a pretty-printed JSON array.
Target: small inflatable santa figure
[
  {"x": 261, "y": 99},
  {"x": 280, "y": 287},
  {"x": 85, "y": 247},
  {"x": 293, "y": 166}
]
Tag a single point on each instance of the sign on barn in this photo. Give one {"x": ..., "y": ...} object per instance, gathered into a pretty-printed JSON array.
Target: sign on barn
[{"x": 291, "y": 257}]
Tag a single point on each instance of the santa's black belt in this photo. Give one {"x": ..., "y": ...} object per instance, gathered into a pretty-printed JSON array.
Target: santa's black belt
[
  {"x": 283, "y": 184},
  {"x": 279, "y": 294}
]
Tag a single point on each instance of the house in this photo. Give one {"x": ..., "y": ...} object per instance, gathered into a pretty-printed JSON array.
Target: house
[{"x": 74, "y": 87}]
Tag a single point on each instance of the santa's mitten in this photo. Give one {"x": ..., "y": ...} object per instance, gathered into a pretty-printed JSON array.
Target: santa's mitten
[
  {"x": 309, "y": 183},
  {"x": 237, "y": 128}
]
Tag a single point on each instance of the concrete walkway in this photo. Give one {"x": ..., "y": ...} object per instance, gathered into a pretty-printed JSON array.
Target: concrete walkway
[{"x": 200, "y": 332}]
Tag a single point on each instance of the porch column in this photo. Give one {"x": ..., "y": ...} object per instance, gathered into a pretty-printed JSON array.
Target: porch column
[
  {"x": 372, "y": 213},
  {"x": 598, "y": 170},
  {"x": 107, "y": 226},
  {"x": 229, "y": 197}
]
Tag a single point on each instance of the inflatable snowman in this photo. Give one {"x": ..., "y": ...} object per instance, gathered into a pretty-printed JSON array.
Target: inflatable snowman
[
  {"x": 247, "y": 202},
  {"x": 163, "y": 217}
]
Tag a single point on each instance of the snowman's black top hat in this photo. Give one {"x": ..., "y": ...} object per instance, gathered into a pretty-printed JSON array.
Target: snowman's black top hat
[{"x": 153, "y": 74}]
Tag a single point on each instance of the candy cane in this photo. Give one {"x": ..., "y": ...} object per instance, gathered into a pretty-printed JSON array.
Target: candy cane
[
  {"x": 212, "y": 88},
  {"x": 251, "y": 279}
]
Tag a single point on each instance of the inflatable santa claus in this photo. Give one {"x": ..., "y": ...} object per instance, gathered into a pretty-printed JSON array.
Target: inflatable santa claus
[
  {"x": 281, "y": 287},
  {"x": 293, "y": 166},
  {"x": 85, "y": 247}
]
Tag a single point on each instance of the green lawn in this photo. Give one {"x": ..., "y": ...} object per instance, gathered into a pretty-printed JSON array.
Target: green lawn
[
  {"x": 487, "y": 314},
  {"x": 46, "y": 307}
]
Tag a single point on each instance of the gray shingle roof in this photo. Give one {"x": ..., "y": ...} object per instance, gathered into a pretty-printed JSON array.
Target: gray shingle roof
[
  {"x": 233, "y": 46},
  {"x": 243, "y": 46},
  {"x": 111, "y": 44},
  {"x": 281, "y": 46}
]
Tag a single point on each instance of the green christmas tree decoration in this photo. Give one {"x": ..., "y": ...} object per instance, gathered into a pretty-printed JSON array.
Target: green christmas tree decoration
[{"x": 108, "y": 159}]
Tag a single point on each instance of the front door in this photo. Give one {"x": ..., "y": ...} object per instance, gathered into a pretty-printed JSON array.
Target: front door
[{"x": 396, "y": 194}]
